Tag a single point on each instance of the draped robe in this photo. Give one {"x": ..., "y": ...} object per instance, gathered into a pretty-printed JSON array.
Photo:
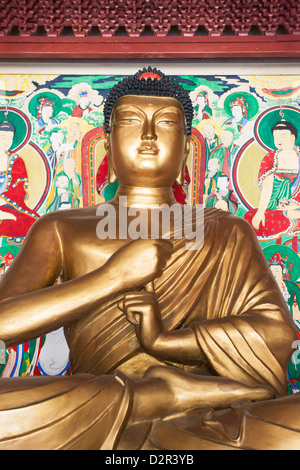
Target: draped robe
[
  {"x": 224, "y": 291},
  {"x": 63, "y": 413}
]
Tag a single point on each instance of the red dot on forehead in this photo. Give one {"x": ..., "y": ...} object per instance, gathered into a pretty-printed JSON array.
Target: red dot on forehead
[
  {"x": 150, "y": 75},
  {"x": 150, "y": 102}
]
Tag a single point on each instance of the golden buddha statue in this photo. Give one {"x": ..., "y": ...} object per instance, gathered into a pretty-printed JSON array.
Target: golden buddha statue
[{"x": 158, "y": 333}]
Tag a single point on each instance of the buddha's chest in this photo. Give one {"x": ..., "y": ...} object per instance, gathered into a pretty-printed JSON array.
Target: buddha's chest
[{"x": 87, "y": 253}]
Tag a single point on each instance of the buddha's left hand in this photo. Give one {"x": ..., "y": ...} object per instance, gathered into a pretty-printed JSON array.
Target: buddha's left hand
[{"x": 142, "y": 310}]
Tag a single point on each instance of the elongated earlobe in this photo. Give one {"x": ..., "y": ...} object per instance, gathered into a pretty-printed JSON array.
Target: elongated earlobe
[
  {"x": 111, "y": 174},
  {"x": 181, "y": 175}
]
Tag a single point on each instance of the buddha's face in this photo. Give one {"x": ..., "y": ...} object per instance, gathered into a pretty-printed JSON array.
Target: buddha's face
[
  {"x": 74, "y": 131},
  {"x": 213, "y": 165},
  {"x": 284, "y": 139},
  {"x": 69, "y": 165},
  {"x": 62, "y": 182},
  {"x": 148, "y": 145},
  {"x": 6, "y": 139}
]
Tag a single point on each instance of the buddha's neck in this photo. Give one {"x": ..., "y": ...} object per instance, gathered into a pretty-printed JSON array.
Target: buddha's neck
[
  {"x": 3, "y": 160},
  {"x": 134, "y": 196}
]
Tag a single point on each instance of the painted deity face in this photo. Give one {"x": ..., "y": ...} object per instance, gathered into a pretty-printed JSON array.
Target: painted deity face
[
  {"x": 84, "y": 102},
  {"x": 276, "y": 270},
  {"x": 237, "y": 111},
  {"x": 6, "y": 139},
  {"x": 201, "y": 101},
  {"x": 284, "y": 139},
  {"x": 69, "y": 165},
  {"x": 222, "y": 183},
  {"x": 213, "y": 165},
  {"x": 148, "y": 142},
  {"x": 74, "y": 131},
  {"x": 208, "y": 131},
  {"x": 62, "y": 182},
  {"x": 57, "y": 138},
  {"x": 47, "y": 112},
  {"x": 226, "y": 138}
]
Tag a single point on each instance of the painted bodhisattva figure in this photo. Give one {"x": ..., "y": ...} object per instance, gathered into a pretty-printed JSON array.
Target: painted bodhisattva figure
[{"x": 154, "y": 329}]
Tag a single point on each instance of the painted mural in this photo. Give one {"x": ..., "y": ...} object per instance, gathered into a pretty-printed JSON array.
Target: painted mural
[{"x": 244, "y": 158}]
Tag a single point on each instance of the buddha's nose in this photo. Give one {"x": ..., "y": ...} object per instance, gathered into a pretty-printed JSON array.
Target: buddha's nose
[{"x": 149, "y": 130}]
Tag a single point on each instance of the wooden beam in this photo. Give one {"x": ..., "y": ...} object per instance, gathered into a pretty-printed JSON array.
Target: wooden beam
[{"x": 196, "y": 47}]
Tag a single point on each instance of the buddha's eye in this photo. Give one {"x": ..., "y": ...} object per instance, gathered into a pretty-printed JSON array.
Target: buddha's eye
[
  {"x": 129, "y": 121},
  {"x": 167, "y": 123}
]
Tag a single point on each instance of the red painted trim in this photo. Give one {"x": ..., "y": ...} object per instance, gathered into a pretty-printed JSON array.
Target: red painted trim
[{"x": 196, "y": 47}]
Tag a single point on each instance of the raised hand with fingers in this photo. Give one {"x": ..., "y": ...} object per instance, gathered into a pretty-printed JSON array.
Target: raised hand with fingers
[
  {"x": 140, "y": 261},
  {"x": 142, "y": 310}
]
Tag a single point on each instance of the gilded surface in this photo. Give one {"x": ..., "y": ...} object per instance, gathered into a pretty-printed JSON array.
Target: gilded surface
[{"x": 130, "y": 305}]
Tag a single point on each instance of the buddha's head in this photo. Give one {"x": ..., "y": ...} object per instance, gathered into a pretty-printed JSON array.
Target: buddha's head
[
  {"x": 285, "y": 135},
  {"x": 7, "y": 132},
  {"x": 148, "y": 126}
]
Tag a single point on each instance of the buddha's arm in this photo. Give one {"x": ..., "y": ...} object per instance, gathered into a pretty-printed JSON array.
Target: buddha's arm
[
  {"x": 31, "y": 306},
  {"x": 266, "y": 193},
  {"x": 209, "y": 338},
  {"x": 181, "y": 346},
  {"x": 253, "y": 348},
  {"x": 250, "y": 336},
  {"x": 263, "y": 201}
]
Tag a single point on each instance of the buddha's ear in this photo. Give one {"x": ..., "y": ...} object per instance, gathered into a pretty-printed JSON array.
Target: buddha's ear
[
  {"x": 107, "y": 144},
  {"x": 111, "y": 173},
  {"x": 181, "y": 175}
]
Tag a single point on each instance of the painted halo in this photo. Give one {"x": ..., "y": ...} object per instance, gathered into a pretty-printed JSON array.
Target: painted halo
[
  {"x": 33, "y": 104},
  {"x": 288, "y": 254},
  {"x": 268, "y": 119},
  {"x": 39, "y": 173},
  {"x": 22, "y": 124},
  {"x": 253, "y": 105}
]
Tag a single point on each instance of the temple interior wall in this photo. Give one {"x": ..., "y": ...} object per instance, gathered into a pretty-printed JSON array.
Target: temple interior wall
[{"x": 57, "y": 158}]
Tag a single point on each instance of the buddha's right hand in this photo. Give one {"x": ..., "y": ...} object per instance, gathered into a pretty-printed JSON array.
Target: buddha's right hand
[{"x": 139, "y": 262}]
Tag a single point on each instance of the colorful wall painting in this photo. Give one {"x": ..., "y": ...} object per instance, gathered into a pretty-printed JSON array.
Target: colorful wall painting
[{"x": 244, "y": 159}]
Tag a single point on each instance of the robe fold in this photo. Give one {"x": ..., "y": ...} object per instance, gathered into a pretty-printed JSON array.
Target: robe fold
[
  {"x": 271, "y": 425},
  {"x": 63, "y": 413},
  {"x": 224, "y": 291}
]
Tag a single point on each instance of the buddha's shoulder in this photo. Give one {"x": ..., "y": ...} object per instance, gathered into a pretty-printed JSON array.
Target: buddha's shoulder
[
  {"x": 56, "y": 219},
  {"x": 225, "y": 221}
]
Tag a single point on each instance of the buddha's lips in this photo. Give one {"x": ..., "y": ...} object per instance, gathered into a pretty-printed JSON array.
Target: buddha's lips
[{"x": 148, "y": 150}]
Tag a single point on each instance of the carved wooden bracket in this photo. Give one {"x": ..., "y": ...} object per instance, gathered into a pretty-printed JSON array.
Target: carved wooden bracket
[{"x": 149, "y": 28}]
